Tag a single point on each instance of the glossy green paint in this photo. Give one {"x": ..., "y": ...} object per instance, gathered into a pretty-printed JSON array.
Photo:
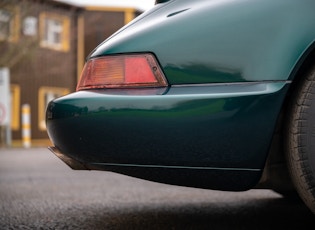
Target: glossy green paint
[
  {"x": 193, "y": 126},
  {"x": 229, "y": 64},
  {"x": 204, "y": 41}
]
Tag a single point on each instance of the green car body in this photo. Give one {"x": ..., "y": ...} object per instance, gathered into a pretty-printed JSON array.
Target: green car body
[
  {"x": 230, "y": 68},
  {"x": 221, "y": 41}
]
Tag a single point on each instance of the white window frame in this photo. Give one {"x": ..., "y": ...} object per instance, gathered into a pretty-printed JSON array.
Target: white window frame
[
  {"x": 45, "y": 95},
  {"x": 54, "y": 31},
  {"x": 11, "y": 22}
]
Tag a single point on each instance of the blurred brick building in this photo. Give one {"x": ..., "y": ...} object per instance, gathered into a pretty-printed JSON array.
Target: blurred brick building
[{"x": 44, "y": 43}]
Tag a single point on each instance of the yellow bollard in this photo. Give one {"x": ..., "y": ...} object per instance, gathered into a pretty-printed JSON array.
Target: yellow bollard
[{"x": 26, "y": 125}]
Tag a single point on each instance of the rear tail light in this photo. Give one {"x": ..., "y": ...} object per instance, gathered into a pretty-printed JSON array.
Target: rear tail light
[{"x": 122, "y": 71}]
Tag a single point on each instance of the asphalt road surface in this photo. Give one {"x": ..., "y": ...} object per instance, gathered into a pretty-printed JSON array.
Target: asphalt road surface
[{"x": 38, "y": 191}]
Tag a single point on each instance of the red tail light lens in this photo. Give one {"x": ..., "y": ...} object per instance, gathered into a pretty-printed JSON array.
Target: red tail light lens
[{"x": 122, "y": 71}]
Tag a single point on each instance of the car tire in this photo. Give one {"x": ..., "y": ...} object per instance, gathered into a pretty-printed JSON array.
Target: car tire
[{"x": 300, "y": 139}]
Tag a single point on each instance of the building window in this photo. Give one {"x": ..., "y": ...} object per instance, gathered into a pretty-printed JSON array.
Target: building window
[
  {"x": 5, "y": 22},
  {"x": 45, "y": 95},
  {"x": 15, "y": 106},
  {"x": 9, "y": 25},
  {"x": 54, "y": 31},
  {"x": 30, "y": 26}
]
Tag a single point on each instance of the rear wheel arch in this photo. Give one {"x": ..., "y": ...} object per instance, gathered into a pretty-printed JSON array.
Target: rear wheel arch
[{"x": 276, "y": 174}]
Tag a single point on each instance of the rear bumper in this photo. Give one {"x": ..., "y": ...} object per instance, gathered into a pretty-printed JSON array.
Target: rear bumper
[
  {"x": 72, "y": 163},
  {"x": 199, "y": 177},
  {"x": 214, "y": 126}
]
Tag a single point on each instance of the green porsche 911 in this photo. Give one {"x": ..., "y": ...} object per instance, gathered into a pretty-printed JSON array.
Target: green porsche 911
[{"x": 214, "y": 94}]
